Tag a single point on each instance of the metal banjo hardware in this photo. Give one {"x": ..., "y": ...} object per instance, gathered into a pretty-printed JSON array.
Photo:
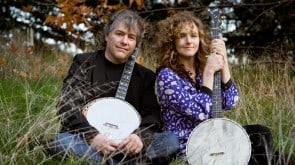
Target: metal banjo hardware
[
  {"x": 218, "y": 141},
  {"x": 113, "y": 116}
]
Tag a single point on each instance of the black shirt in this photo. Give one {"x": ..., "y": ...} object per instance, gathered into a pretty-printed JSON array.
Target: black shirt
[
  {"x": 90, "y": 71},
  {"x": 113, "y": 71}
]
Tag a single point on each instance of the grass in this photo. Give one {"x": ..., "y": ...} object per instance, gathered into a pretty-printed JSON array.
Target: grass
[
  {"x": 30, "y": 83},
  {"x": 268, "y": 97}
]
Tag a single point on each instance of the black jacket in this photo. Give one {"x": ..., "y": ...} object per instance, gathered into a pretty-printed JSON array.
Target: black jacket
[{"x": 86, "y": 81}]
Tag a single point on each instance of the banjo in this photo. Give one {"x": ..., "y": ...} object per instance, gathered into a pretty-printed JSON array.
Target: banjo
[
  {"x": 113, "y": 116},
  {"x": 218, "y": 140}
]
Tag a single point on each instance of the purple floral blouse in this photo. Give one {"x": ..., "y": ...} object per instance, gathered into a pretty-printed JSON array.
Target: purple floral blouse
[{"x": 184, "y": 104}]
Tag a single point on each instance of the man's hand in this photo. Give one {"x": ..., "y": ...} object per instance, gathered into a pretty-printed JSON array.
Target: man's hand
[
  {"x": 102, "y": 143},
  {"x": 131, "y": 145}
]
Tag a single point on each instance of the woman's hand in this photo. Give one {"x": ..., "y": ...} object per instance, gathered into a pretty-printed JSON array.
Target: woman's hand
[
  {"x": 218, "y": 47},
  {"x": 216, "y": 61}
]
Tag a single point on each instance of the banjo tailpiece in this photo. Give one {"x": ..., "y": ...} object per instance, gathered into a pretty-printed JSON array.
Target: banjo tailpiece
[{"x": 218, "y": 141}]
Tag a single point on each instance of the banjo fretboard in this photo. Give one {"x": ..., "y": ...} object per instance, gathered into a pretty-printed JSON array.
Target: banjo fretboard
[
  {"x": 126, "y": 76},
  {"x": 215, "y": 33}
]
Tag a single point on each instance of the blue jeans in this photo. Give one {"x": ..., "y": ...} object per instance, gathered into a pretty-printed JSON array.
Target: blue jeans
[{"x": 163, "y": 146}]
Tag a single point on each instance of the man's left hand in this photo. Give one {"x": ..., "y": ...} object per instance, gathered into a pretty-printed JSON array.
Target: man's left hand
[{"x": 132, "y": 144}]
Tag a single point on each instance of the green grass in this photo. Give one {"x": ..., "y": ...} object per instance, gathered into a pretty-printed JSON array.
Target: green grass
[
  {"x": 30, "y": 85},
  {"x": 268, "y": 98}
]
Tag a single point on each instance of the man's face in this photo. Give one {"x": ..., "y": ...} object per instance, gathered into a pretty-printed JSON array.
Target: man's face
[{"x": 121, "y": 42}]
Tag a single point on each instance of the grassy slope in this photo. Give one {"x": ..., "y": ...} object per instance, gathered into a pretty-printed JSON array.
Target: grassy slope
[{"x": 30, "y": 84}]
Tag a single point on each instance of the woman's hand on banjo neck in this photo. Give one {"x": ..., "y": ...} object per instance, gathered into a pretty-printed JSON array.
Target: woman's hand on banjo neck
[
  {"x": 131, "y": 145},
  {"x": 215, "y": 62}
]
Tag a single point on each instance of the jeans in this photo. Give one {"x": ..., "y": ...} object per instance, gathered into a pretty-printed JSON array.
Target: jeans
[{"x": 162, "y": 147}]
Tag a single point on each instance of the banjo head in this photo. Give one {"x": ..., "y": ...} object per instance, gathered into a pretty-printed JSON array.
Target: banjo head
[
  {"x": 113, "y": 117},
  {"x": 218, "y": 141}
]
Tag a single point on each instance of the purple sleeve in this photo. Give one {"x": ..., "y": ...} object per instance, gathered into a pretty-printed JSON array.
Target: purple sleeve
[
  {"x": 179, "y": 95},
  {"x": 230, "y": 95}
]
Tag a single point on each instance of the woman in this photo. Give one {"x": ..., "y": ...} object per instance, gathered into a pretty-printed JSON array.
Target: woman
[{"x": 185, "y": 73}]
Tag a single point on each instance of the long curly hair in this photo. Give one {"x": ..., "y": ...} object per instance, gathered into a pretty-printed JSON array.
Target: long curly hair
[{"x": 169, "y": 29}]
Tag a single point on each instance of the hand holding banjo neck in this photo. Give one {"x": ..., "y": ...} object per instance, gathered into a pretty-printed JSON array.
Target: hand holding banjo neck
[
  {"x": 215, "y": 34},
  {"x": 218, "y": 140}
]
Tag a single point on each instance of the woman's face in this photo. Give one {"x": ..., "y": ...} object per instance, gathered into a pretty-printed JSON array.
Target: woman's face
[{"x": 187, "y": 41}]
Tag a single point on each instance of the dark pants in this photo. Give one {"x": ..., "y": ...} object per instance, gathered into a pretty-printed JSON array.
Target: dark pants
[
  {"x": 262, "y": 145},
  {"x": 161, "y": 147}
]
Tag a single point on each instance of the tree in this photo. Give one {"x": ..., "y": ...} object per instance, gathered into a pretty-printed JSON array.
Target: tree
[{"x": 259, "y": 25}]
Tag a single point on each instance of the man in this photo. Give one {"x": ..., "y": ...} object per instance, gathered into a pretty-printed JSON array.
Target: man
[{"x": 97, "y": 74}]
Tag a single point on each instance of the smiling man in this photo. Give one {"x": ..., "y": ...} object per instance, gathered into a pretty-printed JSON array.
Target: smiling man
[{"x": 86, "y": 78}]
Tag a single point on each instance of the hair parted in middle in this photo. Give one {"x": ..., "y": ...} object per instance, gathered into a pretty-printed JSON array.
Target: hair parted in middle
[{"x": 169, "y": 30}]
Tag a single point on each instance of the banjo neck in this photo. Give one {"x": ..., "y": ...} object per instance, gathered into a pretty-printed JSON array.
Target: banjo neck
[
  {"x": 102, "y": 113},
  {"x": 216, "y": 105},
  {"x": 127, "y": 73},
  {"x": 218, "y": 140},
  {"x": 126, "y": 76},
  {"x": 215, "y": 33}
]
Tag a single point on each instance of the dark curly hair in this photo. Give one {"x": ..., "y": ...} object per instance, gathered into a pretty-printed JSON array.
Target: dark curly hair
[{"x": 169, "y": 30}]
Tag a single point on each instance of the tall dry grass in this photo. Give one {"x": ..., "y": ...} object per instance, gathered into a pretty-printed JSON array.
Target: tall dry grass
[
  {"x": 31, "y": 80},
  {"x": 267, "y": 96},
  {"x": 29, "y": 85}
]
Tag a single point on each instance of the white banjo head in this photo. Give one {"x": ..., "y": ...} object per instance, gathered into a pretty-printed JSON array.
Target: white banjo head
[
  {"x": 113, "y": 117},
  {"x": 218, "y": 141}
]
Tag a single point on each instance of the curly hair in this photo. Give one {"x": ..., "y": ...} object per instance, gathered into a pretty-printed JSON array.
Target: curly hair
[{"x": 169, "y": 30}]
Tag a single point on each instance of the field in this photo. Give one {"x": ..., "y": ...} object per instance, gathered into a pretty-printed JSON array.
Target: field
[{"x": 31, "y": 80}]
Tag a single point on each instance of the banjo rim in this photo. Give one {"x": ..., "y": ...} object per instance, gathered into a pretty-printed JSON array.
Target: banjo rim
[
  {"x": 86, "y": 106},
  {"x": 131, "y": 109},
  {"x": 197, "y": 128}
]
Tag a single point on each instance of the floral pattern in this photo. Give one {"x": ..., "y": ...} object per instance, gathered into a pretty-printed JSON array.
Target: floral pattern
[{"x": 184, "y": 105}]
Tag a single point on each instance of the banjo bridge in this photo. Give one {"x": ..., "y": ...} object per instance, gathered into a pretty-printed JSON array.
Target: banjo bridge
[
  {"x": 217, "y": 153},
  {"x": 110, "y": 125}
]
